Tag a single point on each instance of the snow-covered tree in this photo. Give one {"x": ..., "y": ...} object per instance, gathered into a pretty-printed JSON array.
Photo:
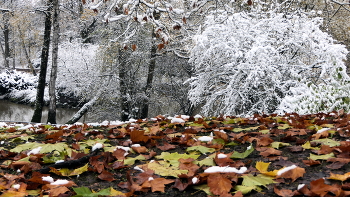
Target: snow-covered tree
[{"x": 249, "y": 62}]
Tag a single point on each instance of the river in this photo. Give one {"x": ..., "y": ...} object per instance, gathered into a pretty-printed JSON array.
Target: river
[{"x": 10, "y": 111}]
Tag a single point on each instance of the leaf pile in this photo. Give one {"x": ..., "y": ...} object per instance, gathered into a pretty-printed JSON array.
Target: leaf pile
[{"x": 290, "y": 155}]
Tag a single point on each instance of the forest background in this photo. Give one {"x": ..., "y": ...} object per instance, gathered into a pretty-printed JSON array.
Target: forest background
[{"x": 137, "y": 59}]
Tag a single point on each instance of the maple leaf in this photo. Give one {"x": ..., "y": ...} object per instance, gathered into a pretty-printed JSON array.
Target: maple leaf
[
  {"x": 311, "y": 162},
  {"x": 173, "y": 158},
  {"x": 137, "y": 136},
  {"x": 328, "y": 142},
  {"x": 219, "y": 184},
  {"x": 264, "y": 141},
  {"x": 340, "y": 177},
  {"x": 131, "y": 160}
]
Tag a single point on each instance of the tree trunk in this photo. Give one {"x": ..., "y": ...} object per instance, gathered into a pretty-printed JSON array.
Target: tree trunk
[
  {"x": 84, "y": 109},
  {"x": 7, "y": 41},
  {"x": 150, "y": 74},
  {"x": 39, "y": 103},
  {"x": 125, "y": 109},
  {"x": 52, "y": 84}
]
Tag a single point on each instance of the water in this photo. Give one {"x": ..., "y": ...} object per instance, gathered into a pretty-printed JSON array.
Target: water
[{"x": 10, "y": 111}]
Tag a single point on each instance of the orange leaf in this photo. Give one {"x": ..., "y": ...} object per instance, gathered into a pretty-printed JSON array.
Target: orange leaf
[
  {"x": 138, "y": 136},
  {"x": 293, "y": 174},
  {"x": 340, "y": 177},
  {"x": 270, "y": 151},
  {"x": 58, "y": 190},
  {"x": 158, "y": 184},
  {"x": 141, "y": 149},
  {"x": 219, "y": 185}
]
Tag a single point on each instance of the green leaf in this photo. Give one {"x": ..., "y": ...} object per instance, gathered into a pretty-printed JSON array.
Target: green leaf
[
  {"x": 86, "y": 192},
  {"x": 201, "y": 149},
  {"x": 285, "y": 126},
  {"x": 277, "y": 145},
  {"x": 328, "y": 142},
  {"x": 173, "y": 158},
  {"x": 204, "y": 188},
  {"x": 321, "y": 157},
  {"x": 238, "y": 155},
  {"x": 53, "y": 158},
  {"x": 131, "y": 160},
  {"x": 246, "y": 189},
  {"x": 45, "y": 148},
  {"x": 232, "y": 144},
  {"x": 259, "y": 180},
  {"x": 208, "y": 161},
  {"x": 265, "y": 131},
  {"x": 164, "y": 170}
]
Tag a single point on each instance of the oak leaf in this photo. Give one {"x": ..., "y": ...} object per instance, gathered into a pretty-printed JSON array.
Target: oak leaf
[
  {"x": 284, "y": 192},
  {"x": 106, "y": 176}
]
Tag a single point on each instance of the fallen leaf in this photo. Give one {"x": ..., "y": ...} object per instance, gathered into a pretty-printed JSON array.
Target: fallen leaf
[
  {"x": 106, "y": 176},
  {"x": 219, "y": 185}
]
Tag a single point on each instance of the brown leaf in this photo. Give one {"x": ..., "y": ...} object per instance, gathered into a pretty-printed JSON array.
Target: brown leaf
[
  {"x": 336, "y": 165},
  {"x": 58, "y": 190},
  {"x": 137, "y": 136},
  {"x": 250, "y": 2},
  {"x": 133, "y": 47},
  {"x": 264, "y": 141},
  {"x": 311, "y": 162},
  {"x": 158, "y": 184},
  {"x": 180, "y": 185},
  {"x": 106, "y": 176},
  {"x": 119, "y": 154},
  {"x": 284, "y": 192},
  {"x": 219, "y": 185},
  {"x": 84, "y": 1},
  {"x": 177, "y": 27},
  {"x": 160, "y": 46},
  {"x": 141, "y": 149},
  {"x": 184, "y": 20},
  {"x": 166, "y": 146},
  {"x": 270, "y": 151},
  {"x": 293, "y": 174},
  {"x": 318, "y": 187}
]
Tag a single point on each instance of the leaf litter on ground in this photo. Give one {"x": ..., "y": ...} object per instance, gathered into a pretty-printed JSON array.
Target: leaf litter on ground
[{"x": 289, "y": 155}]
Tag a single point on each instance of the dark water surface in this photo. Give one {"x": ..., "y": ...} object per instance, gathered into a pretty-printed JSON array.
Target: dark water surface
[{"x": 10, "y": 111}]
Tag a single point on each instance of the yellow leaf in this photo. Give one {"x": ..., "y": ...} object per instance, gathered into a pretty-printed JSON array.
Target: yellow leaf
[
  {"x": 116, "y": 193},
  {"x": 164, "y": 170},
  {"x": 339, "y": 177},
  {"x": 69, "y": 172},
  {"x": 262, "y": 167}
]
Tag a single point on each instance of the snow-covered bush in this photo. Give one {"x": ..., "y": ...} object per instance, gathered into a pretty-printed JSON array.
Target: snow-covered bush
[
  {"x": 248, "y": 62},
  {"x": 13, "y": 80}
]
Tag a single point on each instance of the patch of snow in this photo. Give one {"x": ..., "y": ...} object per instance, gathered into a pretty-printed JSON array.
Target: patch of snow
[
  {"x": 60, "y": 182},
  {"x": 194, "y": 180},
  {"x": 215, "y": 169},
  {"x": 47, "y": 178},
  {"x": 18, "y": 171},
  {"x": 16, "y": 186},
  {"x": 322, "y": 130},
  {"x": 138, "y": 168},
  {"x": 198, "y": 116},
  {"x": 150, "y": 179},
  {"x": 280, "y": 172},
  {"x": 34, "y": 151},
  {"x": 177, "y": 120},
  {"x": 221, "y": 156},
  {"x": 249, "y": 147},
  {"x": 132, "y": 120},
  {"x": 127, "y": 149},
  {"x": 94, "y": 124},
  {"x": 2, "y": 124},
  {"x": 300, "y": 186},
  {"x": 2, "y": 142},
  {"x": 25, "y": 127},
  {"x": 136, "y": 145},
  {"x": 97, "y": 146},
  {"x": 206, "y": 138},
  {"x": 185, "y": 116},
  {"x": 59, "y": 161}
]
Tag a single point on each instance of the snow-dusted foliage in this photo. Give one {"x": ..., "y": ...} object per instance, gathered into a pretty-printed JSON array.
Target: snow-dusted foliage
[{"x": 249, "y": 62}]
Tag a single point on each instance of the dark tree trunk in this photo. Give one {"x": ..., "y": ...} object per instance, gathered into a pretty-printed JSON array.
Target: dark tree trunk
[
  {"x": 6, "y": 49},
  {"x": 52, "y": 85},
  {"x": 125, "y": 109},
  {"x": 150, "y": 74},
  {"x": 39, "y": 103}
]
